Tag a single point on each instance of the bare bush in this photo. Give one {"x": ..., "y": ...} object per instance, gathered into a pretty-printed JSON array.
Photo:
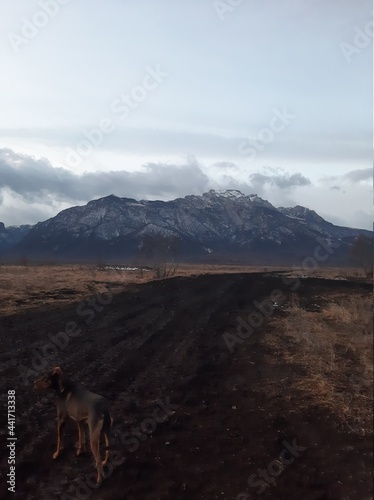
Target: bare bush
[{"x": 161, "y": 252}]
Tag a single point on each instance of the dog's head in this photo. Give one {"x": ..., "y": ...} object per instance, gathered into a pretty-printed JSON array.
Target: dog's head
[{"x": 50, "y": 380}]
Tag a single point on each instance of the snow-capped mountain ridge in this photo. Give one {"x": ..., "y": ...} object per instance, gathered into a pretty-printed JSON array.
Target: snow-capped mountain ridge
[{"x": 225, "y": 222}]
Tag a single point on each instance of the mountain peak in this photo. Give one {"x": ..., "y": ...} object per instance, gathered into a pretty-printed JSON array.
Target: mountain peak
[
  {"x": 225, "y": 193},
  {"x": 235, "y": 194},
  {"x": 226, "y": 223},
  {"x": 109, "y": 197}
]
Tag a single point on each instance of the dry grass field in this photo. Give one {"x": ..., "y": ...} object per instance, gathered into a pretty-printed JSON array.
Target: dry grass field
[
  {"x": 303, "y": 373},
  {"x": 333, "y": 340},
  {"x": 30, "y": 286}
]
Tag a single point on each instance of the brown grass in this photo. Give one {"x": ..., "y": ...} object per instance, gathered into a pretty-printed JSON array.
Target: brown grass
[
  {"x": 335, "y": 346},
  {"x": 34, "y": 286},
  {"x": 31, "y": 286}
]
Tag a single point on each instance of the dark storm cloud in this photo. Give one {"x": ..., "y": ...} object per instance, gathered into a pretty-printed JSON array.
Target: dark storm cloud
[
  {"x": 352, "y": 177},
  {"x": 282, "y": 181},
  {"x": 36, "y": 180},
  {"x": 358, "y": 175},
  {"x": 25, "y": 175}
]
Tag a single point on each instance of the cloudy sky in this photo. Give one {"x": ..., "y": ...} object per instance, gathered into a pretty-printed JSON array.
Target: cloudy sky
[{"x": 162, "y": 98}]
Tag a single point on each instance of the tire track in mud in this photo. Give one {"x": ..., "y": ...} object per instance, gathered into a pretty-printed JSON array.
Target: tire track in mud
[
  {"x": 164, "y": 339},
  {"x": 140, "y": 353}
]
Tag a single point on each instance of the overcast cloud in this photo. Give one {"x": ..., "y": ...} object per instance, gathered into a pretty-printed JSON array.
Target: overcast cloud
[
  {"x": 40, "y": 190},
  {"x": 282, "y": 181},
  {"x": 160, "y": 99},
  {"x": 36, "y": 180}
]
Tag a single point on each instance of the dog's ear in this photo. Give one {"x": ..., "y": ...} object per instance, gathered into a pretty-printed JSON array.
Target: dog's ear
[{"x": 56, "y": 372}]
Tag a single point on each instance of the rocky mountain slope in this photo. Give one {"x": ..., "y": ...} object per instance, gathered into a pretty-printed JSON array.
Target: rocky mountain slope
[
  {"x": 10, "y": 236},
  {"x": 218, "y": 224}
]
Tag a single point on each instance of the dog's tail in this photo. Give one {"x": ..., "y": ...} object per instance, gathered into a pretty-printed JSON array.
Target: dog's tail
[{"x": 107, "y": 427}]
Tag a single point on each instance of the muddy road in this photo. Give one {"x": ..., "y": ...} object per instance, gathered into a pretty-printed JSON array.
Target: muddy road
[{"x": 192, "y": 420}]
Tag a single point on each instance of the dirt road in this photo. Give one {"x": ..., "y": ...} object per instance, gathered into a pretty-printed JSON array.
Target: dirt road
[{"x": 192, "y": 420}]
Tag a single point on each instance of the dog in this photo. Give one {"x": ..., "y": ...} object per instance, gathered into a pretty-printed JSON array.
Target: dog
[{"x": 84, "y": 407}]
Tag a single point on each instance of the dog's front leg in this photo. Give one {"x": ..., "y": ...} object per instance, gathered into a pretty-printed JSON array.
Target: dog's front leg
[{"x": 60, "y": 427}]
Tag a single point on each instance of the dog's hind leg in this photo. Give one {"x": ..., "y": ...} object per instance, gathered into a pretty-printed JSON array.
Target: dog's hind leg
[
  {"x": 95, "y": 448},
  {"x": 81, "y": 439},
  {"x": 106, "y": 449},
  {"x": 107, "y": 426}
]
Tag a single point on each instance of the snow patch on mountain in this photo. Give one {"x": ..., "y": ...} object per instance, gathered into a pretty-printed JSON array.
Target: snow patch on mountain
[{"x": 220, "y": 222}]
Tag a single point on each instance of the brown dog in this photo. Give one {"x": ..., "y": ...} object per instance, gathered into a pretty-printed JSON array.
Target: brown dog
[{"x": 84, "y": 407}]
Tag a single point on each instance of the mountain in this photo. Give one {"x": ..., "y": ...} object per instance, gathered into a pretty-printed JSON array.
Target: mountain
[
  {"x": 220, "y": 225},
  {"x": 10, "y": 236}
]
